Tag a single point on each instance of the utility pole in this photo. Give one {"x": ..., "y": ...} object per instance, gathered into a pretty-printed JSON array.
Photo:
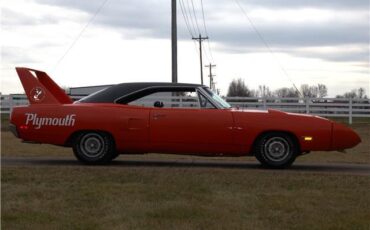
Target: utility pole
[
  {"x": 174, "y": 40},
  {"x": 210, "y": 66},
  {"x": 200, "y": 39}
]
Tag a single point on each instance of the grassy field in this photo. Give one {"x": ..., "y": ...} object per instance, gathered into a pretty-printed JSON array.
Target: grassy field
[
  {"x": 73, "y": 196},
  {"x": 180, "y": 198}
]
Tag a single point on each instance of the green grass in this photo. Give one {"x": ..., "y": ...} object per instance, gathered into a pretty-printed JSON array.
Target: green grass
[
  {"x": 4, "y": 122},
  {"x": 122, "y": 197}
]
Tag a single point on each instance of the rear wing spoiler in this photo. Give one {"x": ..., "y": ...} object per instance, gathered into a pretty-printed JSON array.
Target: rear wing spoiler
[{"x": 40, "y": 88}]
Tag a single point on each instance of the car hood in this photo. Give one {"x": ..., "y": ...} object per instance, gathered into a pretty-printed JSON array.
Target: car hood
[{"x": 274, "y": 112}]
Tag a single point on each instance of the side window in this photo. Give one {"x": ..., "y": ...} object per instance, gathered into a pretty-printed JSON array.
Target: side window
[
  {"x": 170, "y": 99},
  {"x": 205, "y": 103}
]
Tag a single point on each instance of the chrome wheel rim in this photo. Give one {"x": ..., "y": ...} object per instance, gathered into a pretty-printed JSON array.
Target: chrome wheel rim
[
  {"x": 92, "y": 145},
  {"x": 276, "y": 149}
]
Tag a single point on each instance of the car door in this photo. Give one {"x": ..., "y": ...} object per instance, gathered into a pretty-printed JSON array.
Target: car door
[
  {"x": 133, "y": 128},
  {"x": 191, "y": 130}
]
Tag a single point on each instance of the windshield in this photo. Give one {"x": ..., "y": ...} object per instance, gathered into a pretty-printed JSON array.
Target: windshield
[{"x": 217, "y": 98}]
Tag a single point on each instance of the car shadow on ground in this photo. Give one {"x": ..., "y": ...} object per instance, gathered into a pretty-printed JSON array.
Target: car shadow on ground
[{"x": 356, "y": 169}]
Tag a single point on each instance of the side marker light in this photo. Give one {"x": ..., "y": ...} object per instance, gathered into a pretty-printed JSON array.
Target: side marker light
[{"x": 23, "y": 127}]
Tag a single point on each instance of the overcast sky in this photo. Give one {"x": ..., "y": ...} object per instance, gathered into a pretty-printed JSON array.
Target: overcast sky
[{"x": 315, "y": 41}]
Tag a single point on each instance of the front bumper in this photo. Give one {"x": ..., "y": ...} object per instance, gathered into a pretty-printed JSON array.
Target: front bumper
[{"x": 13, "y": 129}]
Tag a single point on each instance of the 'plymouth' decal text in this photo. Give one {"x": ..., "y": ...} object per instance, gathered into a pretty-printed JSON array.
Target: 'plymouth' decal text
[{"x": 68, "y": 120}]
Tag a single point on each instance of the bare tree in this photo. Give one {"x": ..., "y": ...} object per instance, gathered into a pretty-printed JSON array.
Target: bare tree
[
  {"x": 286, "y": 92},
  {"x": 238, "y": 88},
  {"x": 351, "y": 94},
  {"x": 354, "y": 93},
  {"x": 305, "y": 90},
  {"x": 264, "y": 91},
  {"x": 361, "y": 93},
  {"x": 322, "y": 90},
  {"x": 309, "y": 91},
  {"x": 314, "y": 91}
]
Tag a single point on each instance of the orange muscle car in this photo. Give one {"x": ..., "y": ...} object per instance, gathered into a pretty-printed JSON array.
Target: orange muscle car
[{"x": 136, "y": 118}]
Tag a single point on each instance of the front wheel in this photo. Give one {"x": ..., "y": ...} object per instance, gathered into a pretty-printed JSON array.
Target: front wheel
[
  {"x": 94, "y": 147},
  {"x": 276, "y": 150}
]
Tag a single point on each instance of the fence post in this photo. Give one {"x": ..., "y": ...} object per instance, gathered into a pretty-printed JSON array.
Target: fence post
[
  {"x": 264, "y": 102},
  {"x": 307, "y": 100},
  {"x": 350, "y": 111}
]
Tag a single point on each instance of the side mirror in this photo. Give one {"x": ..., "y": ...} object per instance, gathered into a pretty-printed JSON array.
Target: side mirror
[{"x": 158, "y": 104}]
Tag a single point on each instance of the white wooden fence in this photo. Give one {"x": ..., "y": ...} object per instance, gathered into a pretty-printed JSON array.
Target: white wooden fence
[
  {"x": 325, "y": 107},
  {"x": 9, "y": 101}
]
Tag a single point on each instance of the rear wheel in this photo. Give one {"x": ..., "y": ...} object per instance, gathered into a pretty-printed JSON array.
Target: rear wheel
[
  {"x": 94, "y": 147},
  {"x": 276, "y": 150}
]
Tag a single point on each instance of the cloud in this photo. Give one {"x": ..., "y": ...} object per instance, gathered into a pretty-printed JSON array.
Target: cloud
[
  {"x": 13, "y": 18},
  {"x": 128, "y": 14},
  {"x": 147, "y": 4},
  {"x": 17, "y": 55},
  {"x": 152, "y": 18},
  {"x": 346, "y": 53},
  {"x": 293, "y": 36},
  {"x": 332, "y": 4},
  {"x": 285, "y": 25}
]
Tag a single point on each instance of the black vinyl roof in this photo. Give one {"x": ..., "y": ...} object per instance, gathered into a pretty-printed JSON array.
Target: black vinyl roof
[{"x": 127, "y": 92}]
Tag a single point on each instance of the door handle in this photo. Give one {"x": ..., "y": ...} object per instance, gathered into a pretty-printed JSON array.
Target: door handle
[{"x": 157, "y": 116}]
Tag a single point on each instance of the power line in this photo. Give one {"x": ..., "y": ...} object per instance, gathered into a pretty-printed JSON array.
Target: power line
[
  {"x": 187, "y": 23},
  {"x": 191, "y": 22},
  {"x": 80, "y": 34},
  {"x": 206, "y": 31},
  {"x": 187, "y": 9},
  {"x": 207, "y": 54},
  {"x": 204, "y": 19},
  {"x": 266, "y": 44},
  {"x": 210, "y": 50},
  {"x": 195, "y": 16},
  {"x": 186, "y": 19}
]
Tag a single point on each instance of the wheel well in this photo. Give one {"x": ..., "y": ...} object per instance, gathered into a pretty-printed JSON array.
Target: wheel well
[
  {"x": 75, "y": 134},
  {"x": 292, "y": 135}
]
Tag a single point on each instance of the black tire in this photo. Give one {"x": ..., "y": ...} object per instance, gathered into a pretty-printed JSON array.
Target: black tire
[
  {"x": 94, "y": 147},
  {"x": 276, "y": 150}
]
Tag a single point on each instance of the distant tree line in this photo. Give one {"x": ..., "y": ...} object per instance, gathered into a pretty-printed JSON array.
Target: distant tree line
[
  {"x": 355, "y": 93},
  {"x": 238, "y": 88}
]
